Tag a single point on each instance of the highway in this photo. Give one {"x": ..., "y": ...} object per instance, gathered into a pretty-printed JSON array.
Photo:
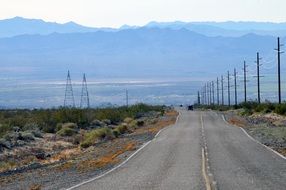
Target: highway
[{"x": 201, "y": 151}]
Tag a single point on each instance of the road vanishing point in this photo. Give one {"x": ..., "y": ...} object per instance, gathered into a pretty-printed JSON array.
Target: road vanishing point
[{"x": 201, "y": 151}]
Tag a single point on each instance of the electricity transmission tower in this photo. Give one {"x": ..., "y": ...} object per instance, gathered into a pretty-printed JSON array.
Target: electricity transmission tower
[
  {"x": 69, "y": 98},
  {"x": 84, "y": 100}
]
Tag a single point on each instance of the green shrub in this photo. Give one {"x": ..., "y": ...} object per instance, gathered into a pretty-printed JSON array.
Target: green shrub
[
  {"x": 48, "y": 128},
  {"x": 280, "y": 109},
  {"x": 4, "y": 129},
  {"x": 93, "y": 136},
  {"x": 122, "y": 129},
  {"x": 59, "y": 126},
  {"x": 140, "y": 123},
  {"x": 66, "y": 132},
  {"x": 69, "y": 125},
  {"x": 26, "y": 136},
  {"x": 116, "y": 132}
]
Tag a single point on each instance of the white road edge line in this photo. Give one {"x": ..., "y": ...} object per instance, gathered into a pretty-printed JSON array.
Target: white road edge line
[
  {"x": 277, "y": 153},
  {"x": 223, "y": 118},
  {"x": 124, "y": 162}
]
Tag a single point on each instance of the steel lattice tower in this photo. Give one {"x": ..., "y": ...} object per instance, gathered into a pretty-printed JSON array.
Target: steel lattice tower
[
  {"x": 69, "y": 98},
  {"x": 84, "y": 101}
]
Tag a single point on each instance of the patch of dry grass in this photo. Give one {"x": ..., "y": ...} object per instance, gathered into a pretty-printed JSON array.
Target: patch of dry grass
[{"x": 110, "y": 158}]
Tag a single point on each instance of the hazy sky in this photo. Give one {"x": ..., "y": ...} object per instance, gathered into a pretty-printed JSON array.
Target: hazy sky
[{"x": 114, "y": 13}]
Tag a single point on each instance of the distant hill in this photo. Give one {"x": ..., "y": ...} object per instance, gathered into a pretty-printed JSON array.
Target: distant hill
[
  {"x": 19, "y": 26},
  {"x": 141, "y": 52},
  {"x": 230, "y": 29}
]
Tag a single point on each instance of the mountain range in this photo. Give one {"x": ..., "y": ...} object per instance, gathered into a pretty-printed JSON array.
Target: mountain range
[{"x": 38, "y": 49}]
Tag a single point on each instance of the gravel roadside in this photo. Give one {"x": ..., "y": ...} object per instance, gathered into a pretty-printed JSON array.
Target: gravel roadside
[
  {"x": 269, "y": 129},
  {"x": 85, "y": 164}
]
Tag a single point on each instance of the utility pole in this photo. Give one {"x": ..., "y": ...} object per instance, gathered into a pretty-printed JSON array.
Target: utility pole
[
  {"x": 258, "y": 77},
  {"x": 279, "y": 76},
  {"x": 127, "y": 98},
  {"x": 210, "y": 93},
  {"x": 244, "y": 71},
  {"x": 235, "y": 87},
  {"x": 217, "y": 89},
  {"x": 205, "y": 91},
  {"x": 222, "y": 94},
  {"x": 202, "y": 97},
  {"x": 213, "y": 91},
  {"x": 199, "y": 98},
  {"x": 228, "y": 88}
]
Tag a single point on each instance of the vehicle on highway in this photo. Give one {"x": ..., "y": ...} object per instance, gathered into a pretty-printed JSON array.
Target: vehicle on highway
[{"x": 190, "y": 107}]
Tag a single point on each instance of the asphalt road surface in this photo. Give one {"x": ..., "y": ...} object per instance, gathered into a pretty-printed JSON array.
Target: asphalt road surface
[{"x": 199, "y": 152}]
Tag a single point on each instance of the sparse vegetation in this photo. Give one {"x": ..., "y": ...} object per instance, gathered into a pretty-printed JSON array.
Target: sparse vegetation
[
  {"x": 52, "y": 120},
  {"x": 93, "y": 136},
  {"x": 248, "y": 108}
]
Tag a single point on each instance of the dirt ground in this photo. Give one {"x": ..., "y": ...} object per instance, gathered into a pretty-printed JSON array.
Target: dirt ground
[{"x": 72, "y": 165}]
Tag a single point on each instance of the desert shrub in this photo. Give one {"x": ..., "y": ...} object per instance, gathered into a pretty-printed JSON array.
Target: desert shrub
[
  {"x": 93, "y": 136},
  {"x": 122, "y": 129},
  {"x": 133, "y": 124},
  {"x": 280, "y": 109},
  {"x": 30, "y": 126},
  {"x": 140, "y": 123},
  {"x": 127, "y": 120},
  {"x": 59, "y": 126},
  {"x": 26, "y": 136},
  {"x": 66, "y": 132},
  {"x": 4, "y": 129},
  {"x": 116, "y": 132},
  {"x": 48, "y": 128},
  {"x": 69, "y": 125}
]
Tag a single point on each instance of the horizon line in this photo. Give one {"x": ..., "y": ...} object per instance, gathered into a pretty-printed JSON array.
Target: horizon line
[{"x": 152, "y": 21}]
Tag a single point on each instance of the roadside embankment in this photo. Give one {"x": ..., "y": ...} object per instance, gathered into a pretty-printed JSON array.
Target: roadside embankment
[{"x": 76, "y": 149}]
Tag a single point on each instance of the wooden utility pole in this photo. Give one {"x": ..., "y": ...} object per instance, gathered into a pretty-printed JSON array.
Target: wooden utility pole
[
  {"x": 244, "y": 72},
  {"x": 213, "y": 92},
  {"x": 199, "y": 98},
  {"x": 228, "y": 88},
  {"x": 279, "y": 72},
  {"x": 222, "y": 94},
  {"x": 235, "y": 88},
  {"x": 258, "y": 77},
  {"x": 127, "y": 101},
  {"x": 217, "y": 90}
]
